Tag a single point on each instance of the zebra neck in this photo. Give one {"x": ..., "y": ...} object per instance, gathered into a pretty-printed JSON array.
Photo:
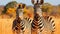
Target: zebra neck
[{"x": 17, "y": 13}]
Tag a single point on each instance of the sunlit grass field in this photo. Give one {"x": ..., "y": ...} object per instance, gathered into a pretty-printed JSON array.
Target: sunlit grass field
[{"x": 6, "y": 26}]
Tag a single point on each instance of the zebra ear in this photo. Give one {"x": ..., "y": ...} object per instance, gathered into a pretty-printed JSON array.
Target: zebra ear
[
  {"x": 32, "y": 1},
  {"x": 23, "y": 6},
  {"x": 19, "y": 6},
  {"x": 41, "y": 1}
]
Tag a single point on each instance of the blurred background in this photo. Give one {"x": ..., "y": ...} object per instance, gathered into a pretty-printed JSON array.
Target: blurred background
[{"x": 8, "y": 13}]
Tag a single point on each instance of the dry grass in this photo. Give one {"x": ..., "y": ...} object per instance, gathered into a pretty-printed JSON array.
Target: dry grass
[
  {"x": 6, "y": 25},
  {"x": 57, "y": 22}
]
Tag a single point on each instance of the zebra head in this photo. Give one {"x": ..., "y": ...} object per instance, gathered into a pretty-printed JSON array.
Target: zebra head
[
  {"x": 37, "y": 2},
  {"x": 37, "y": 6},
  {"x": 20, "y": 10}
]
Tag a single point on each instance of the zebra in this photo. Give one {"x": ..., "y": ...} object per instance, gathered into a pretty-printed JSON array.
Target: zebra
[
  {"x": 18, "y": 25},
  {"x": 52, "y": 24},
  {"x": 28, "y": 22},
  {"x": 28, "y": 19},
  {"x": 37, "y": 24}
]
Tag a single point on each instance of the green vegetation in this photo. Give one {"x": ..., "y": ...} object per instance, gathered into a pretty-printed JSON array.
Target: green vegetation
[{"x": 9, "y": 5}]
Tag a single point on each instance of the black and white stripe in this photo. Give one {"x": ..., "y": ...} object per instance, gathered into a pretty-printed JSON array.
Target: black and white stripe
[
  {"x": 38, "y": 24},
  {"x": 19, "y": 27},
  {"x": 28, "y": 19},
  {"x": 22, "y": 25},
  {"x": 19, "y": 23},
  {"x": 51, "y": 21}
]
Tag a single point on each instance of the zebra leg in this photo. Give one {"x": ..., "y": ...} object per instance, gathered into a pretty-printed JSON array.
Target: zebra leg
[
  {"x": 16, "y": 30},
  {"x": 14, "y": 27},
  {"x": 33, "y": 30}
]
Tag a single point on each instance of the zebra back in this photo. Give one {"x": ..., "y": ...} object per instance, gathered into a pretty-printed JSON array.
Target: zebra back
[
  {"x": 28, "y": 19},
  {"x": 52, "y": 23}
]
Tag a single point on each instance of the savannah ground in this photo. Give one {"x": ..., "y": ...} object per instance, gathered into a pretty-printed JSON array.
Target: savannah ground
[{"x": 6, "y": 26}]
